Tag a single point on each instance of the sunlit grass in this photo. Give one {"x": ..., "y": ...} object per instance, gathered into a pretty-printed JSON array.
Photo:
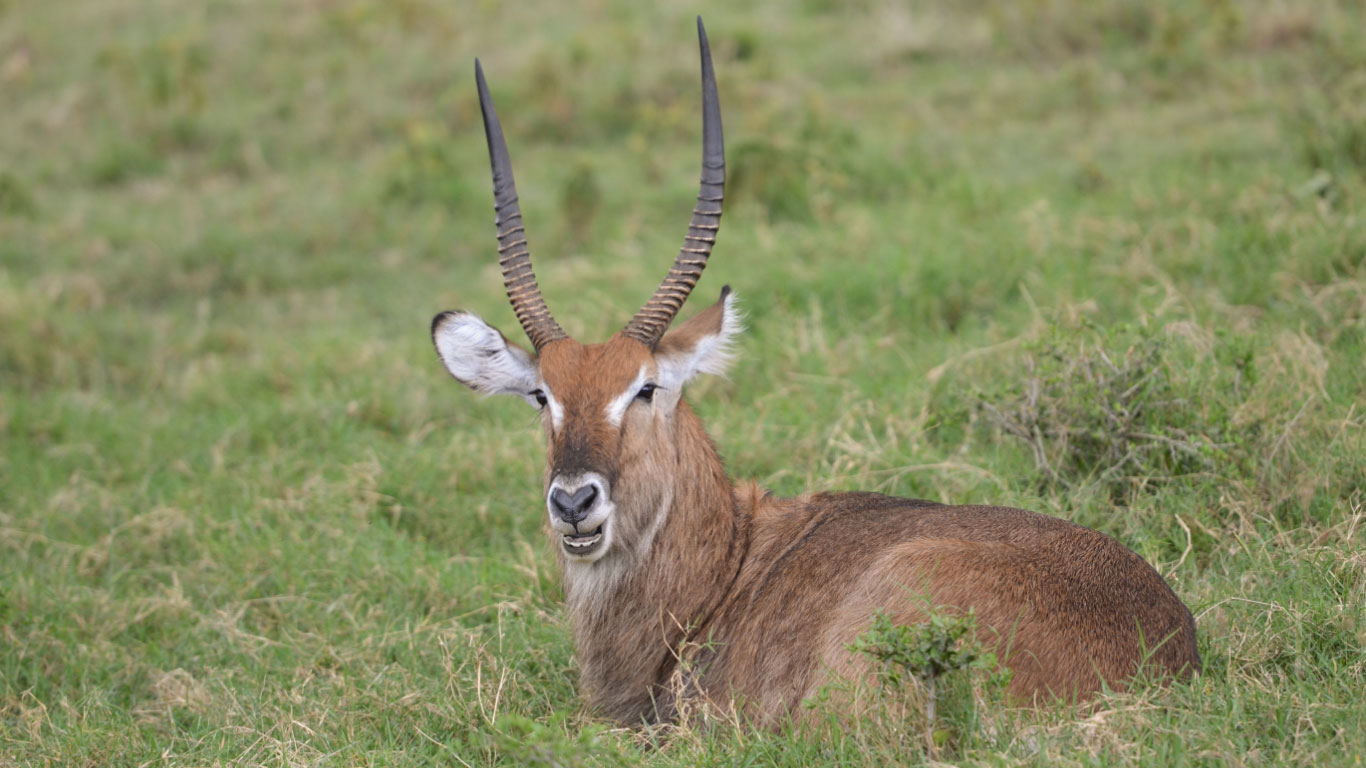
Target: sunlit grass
[{"x": 246, "y": 519}]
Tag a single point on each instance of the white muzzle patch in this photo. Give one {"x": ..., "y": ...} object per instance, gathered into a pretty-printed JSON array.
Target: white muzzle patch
[{"x": 585, "y": 532}]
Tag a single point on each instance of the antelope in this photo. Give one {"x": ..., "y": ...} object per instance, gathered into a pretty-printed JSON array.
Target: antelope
[{"x": 666, "y": 561}]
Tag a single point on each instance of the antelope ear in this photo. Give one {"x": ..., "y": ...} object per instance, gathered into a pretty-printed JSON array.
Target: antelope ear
[
  {"x": 703, "y": 344},
  {"x": 481, "y": 358}
]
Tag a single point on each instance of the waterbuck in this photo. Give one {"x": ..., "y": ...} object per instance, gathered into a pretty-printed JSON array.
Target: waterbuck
[{"x": 661, "y": 551}]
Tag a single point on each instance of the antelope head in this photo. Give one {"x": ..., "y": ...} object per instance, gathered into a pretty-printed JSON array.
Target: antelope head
[{"x": 614, "y": 422}]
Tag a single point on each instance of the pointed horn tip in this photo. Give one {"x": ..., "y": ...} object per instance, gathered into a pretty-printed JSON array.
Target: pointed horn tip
[{"x": 480, "y": 84}]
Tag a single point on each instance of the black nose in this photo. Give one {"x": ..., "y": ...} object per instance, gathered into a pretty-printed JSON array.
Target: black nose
[{"x": 572, "y": 509}]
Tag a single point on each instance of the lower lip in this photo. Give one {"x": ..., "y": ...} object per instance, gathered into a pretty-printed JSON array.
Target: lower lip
[{"x": 586, "y": 547}]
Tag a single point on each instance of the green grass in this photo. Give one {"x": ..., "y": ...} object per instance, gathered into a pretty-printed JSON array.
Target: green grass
[{"x": 245, "y": 517}]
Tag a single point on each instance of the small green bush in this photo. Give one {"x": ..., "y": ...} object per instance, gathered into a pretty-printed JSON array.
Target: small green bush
[
  {"x": 1124, "y": 409},
  {"x": 942, "y": 654}
]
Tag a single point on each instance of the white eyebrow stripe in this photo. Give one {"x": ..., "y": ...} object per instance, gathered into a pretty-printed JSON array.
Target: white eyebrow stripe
[
  {"x": 616, "y": 409},
  {"x": 556, "y": 410}
]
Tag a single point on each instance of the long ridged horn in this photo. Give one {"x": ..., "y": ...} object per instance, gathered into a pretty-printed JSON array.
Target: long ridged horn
[
  {"x": 653, "y": 319},
  {"x": 513, "y": 256}
]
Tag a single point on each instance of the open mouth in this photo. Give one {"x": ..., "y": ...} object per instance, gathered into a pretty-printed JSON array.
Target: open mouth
[{"x": 580, "y": 544}]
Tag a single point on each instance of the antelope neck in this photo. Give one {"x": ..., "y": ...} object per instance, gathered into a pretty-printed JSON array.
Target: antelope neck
[{"x": 671, "y": 594}]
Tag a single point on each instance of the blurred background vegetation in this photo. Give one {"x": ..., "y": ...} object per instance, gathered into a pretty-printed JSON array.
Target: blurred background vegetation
[{"x": 1102, "y": 259}]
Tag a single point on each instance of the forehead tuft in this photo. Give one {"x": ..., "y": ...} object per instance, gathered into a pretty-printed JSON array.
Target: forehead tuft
[{"x": 583, "y": 371}]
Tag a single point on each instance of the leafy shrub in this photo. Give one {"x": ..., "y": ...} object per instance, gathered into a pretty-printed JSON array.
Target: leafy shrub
[
  {"x": 554, "y": 743},
  {"x": 942, "y": 654},
  {"x": 1125, "y": 410}
]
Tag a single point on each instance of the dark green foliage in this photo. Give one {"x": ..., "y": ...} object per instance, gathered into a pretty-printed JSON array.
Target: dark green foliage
[
  {"x": 15, "y": 198},
  {"x": 1125, "y": 410},
  {"x": 928, "y": 651},
  {"x": 424, "y": 169},
  {"x": 123, "y": 160},
  {"x": 580, "y": 202},
  {"x": 556, "y": 744},
  {"x": 1330, "y": 124},
  {"x": 944, "y": 656},
  {"x": 773, "y": 176}
]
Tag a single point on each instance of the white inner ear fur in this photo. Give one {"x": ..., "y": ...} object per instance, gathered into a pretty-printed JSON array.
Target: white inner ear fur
[
  {"x": 712, "y": 353},
  {"x": 480, "y": 357}
]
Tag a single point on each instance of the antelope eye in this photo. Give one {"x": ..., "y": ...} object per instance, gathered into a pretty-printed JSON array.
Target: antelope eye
[
  {"x": 646, "y": 393},
  {"x": 540, "y": 397}
]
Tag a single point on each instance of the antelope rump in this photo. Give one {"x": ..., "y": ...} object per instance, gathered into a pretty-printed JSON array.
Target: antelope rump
[{"x": 666, "y": 560}]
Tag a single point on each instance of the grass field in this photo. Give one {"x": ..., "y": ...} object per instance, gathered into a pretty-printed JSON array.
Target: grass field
[{"x": 1101, "y": 259}]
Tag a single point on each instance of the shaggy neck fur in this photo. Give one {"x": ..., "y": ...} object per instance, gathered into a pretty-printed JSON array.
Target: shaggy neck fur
[{"x": 651, "y": 602}]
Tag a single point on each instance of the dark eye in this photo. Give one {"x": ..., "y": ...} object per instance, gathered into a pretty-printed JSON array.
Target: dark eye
[
  {"x": 646, "y": 393},
  {"x": 540, "y": 397}
]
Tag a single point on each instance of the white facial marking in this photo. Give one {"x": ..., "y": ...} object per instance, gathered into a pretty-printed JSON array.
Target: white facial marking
[
  {"x": 616, "y": 410},
  {"x": 556, "y": 409},
  {"x": 598, "y": 517}
]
